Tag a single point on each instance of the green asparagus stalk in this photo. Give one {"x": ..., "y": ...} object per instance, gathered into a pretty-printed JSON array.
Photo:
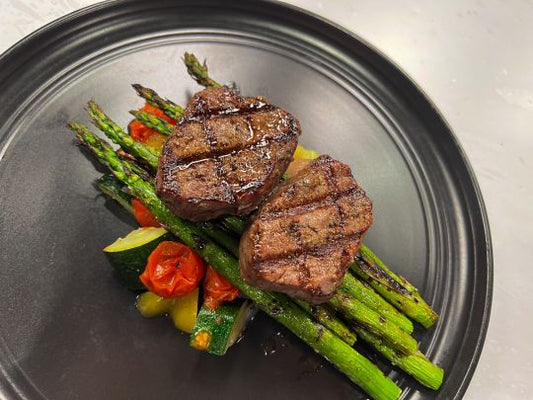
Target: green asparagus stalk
[
  {"x": 221, "y": 237},
  {"x": 198, "y": 71},
  {"x": 366, "y": 295},
  {"x": 234, "y": 223},
  {"x": 356, "y": 367},
  {"x": 118, "y": 136},
  {"x": 153, "y": 122},
  {"x": 396, "y": 289},
  {"x": 328, "y": 318},
  {"x": 133, "y": 165},
  {"x": 355, "y": 311},
  {"x": 416, "y": 364},
  {"x": 167, "y": 106}
]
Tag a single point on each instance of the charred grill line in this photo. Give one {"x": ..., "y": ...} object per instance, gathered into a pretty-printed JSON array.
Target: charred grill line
[
  {"x": 321, "y": 202},
  {"x": 374, "y": 270},
  {"x": 320, "y": 250}
]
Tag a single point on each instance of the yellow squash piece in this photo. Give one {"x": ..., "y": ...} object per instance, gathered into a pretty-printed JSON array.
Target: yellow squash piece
[
  {"x": 151, "y": 305},
  {"x": 184, "y": 311}
]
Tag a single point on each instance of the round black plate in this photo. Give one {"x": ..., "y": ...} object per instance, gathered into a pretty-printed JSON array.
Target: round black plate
[{"x": 69, "y": 330}]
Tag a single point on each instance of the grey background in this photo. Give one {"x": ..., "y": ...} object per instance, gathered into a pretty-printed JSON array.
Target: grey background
[{"x": 474, "y": 59}]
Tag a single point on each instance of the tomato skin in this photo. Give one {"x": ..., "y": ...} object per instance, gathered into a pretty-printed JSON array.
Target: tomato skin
[
  {"x": 141, "y": 133},
  {"x": 143, "y": 215},
  {"x": 217, "y": 289},
  {"x": 173, "y": 270}
]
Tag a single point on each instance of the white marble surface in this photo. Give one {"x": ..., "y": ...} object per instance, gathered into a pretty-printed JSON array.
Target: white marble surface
[{"x": 475, "y": 60}]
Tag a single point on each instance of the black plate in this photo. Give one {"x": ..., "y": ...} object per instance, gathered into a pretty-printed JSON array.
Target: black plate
[{"x": 68, "y": 328}]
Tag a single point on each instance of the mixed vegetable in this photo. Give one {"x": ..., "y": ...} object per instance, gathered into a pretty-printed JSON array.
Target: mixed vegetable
[{"x": 190, "y": 271}]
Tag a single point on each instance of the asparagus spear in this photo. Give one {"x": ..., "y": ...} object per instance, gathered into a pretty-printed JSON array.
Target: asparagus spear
[
  {"x": 327, "y": 318},
  {"x": 198, "y": 71},
  {"x": 118, "y": 136},
  {"x": 134, "y": 165},
  {"x": 167, "y": 106},
  {"x": 236, "y": 224},
  {"x": 221, "y": 237},
  {"x": 396, "y": 289},
  {"x": 356, "y": 367},
  {"x": 416, "y": 364},
  {"x": 153, "y": 122},
  {"x": 355, "y": 311},
  {"x": 366, "y": 295}
]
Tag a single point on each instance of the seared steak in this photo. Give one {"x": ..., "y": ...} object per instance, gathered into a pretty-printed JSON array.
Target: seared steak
[
  {"x": 225, "y": 155},
  {"x": 304, "y": 238}
]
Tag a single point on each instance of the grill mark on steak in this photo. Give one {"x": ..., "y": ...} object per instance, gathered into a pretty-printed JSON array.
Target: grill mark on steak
[
  {"x": 318, "y": 250},
  {"x": 304, "y": 238},
  {"x": 201, "y": 114},
  {"x": 229, "y": 112},
  {"x": 232, "y": 150},
  {"x": 217, "y": 152},
  {"x": 309, "y": 206}
]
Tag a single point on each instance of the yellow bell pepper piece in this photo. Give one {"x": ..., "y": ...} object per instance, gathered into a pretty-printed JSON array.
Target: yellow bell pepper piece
[{"x": 302, "y": 152}]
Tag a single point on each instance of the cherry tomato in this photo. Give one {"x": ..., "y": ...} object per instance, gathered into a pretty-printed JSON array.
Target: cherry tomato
[
  {"x": 217, "y": 289},
  {"x": 173, "y": 270},
  {"x": 143, "y": 215}
]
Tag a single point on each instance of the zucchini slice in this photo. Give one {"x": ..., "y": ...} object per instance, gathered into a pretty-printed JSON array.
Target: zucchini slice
[
  {"x": 215, "y": 331},
  {"x": 128, "y": 255}
]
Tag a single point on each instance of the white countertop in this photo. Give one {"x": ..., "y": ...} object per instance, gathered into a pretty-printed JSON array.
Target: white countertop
[{"x": 474, "y": 59}]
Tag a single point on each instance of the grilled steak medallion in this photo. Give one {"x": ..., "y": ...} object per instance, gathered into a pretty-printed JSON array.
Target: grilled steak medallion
[
  {"x": 226, "y": 154},
  {"x": 304, "y": 238}
]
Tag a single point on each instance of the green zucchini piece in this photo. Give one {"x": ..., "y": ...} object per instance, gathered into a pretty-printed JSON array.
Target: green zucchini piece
[
  {"x": 128, "y": 255},
  {"x": 216, "y": 331}
]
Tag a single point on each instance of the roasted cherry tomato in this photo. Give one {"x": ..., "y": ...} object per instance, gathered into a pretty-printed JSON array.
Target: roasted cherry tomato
[
  {"x": 173, "y": 270},
  {"x": 143, "y": 215},
  {"x": 217, "y": 289},
  {"x": 141, "y": 133}
]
